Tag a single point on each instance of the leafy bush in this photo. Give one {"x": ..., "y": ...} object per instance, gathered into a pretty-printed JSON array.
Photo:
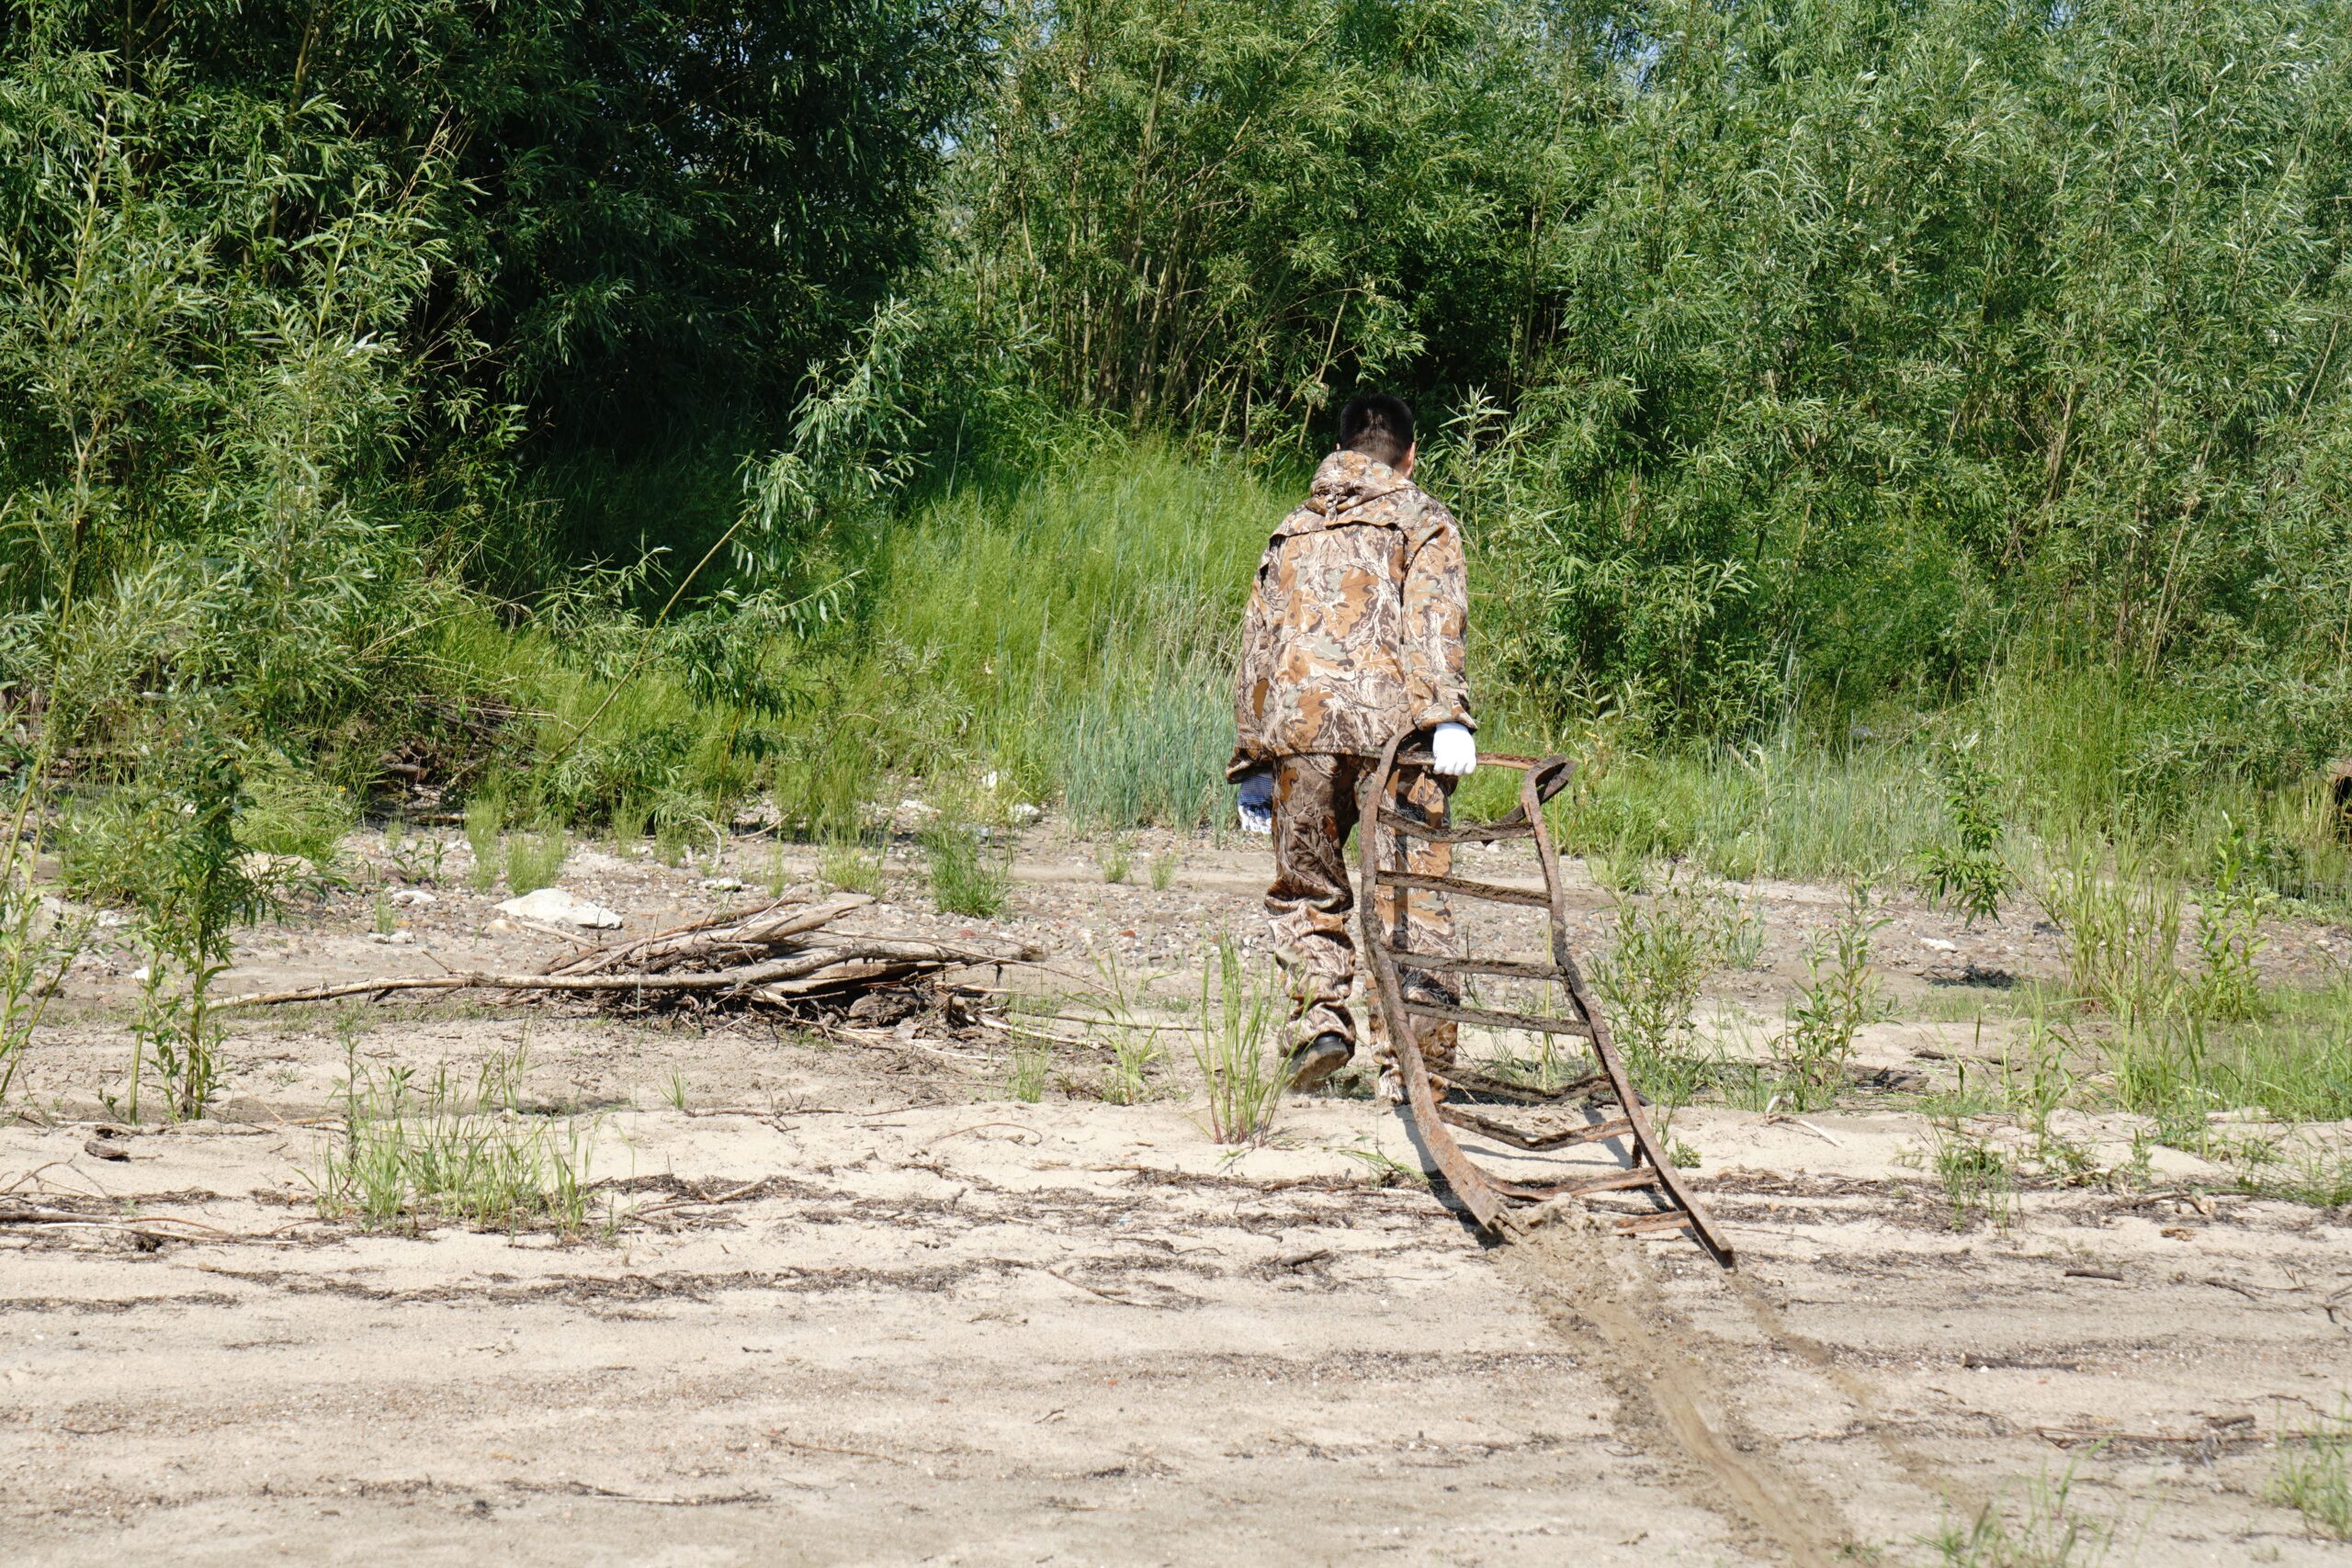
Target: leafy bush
[
  {"x": 1968, "y": 872},
  {"x": 1840, "y": 996}
]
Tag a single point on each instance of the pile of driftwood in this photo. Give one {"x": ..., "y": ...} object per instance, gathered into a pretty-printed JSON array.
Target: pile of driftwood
[{"x": 779, "y": 955}]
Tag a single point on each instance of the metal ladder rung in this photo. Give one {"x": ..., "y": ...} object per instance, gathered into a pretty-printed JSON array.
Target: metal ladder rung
[
  {"x": 1472, "y": 834},
  {"x": 1615, "y": 1181},
  {"x": 1490, "y": 891},
  {"x": 1520, "y": 968},
  {"x": 1537, "y": 1143},
  {"x": 1488, "y": 1020},
  {"x": 1487, "y": 1086}
]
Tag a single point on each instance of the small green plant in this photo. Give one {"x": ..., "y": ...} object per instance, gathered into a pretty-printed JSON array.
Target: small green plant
[
  {"x": 1135, "y": 1048},
  {"x": 2228, "y": 988},
  {"x": 1976, "y": 1178},
  {"x": 1115, "y": 856},
  {"x": 412, "y": 1153},
  {"x": 485, "y": 819},
  {"x": 965, "y": 877},
  {"x": 2121, "y": 927},
  {"x": 1620, "y": 867},
  {"x": 675, "y": 1092},
  {"x": 1134, "y": 1053},
  {"x": 168, "y": 840},
  {"x": 2041, "y": 1083},
  {"x": 1967, "y": 870},
  {"x": 1163, "y": 873},
  {"x": 2313, "y": 1475},
  {"x": 674, "y": 839},
  {"x": 386, "y": 917},
  {"x": 533, "y": 859},
  {"x": 37, "y": 947},
  {"x": 626, "y": 825},
  {"x": 1032, "y": 1067},
  {"x": 2047, "y": 1535},
  {"x": 1840, "y": 995},
  {"x": 1383, "y": 1170},
  {"x": 1233, "y": 1047},
  {"x": 1741, "y": 934},
  {"x": 1664, "y": 953},
  {"x": 415, "y": 860},
  {"x": 848, "y": 865}
]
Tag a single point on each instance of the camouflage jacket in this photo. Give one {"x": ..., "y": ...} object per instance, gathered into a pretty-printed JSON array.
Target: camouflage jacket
[{"x": 1354, "y": 630}]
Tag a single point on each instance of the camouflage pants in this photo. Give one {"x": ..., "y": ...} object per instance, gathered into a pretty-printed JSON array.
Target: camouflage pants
[{"x": 1312, "y": 898}]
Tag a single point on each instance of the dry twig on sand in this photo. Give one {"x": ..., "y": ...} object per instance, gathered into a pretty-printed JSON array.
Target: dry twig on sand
[{"x": 776, "y": 954}]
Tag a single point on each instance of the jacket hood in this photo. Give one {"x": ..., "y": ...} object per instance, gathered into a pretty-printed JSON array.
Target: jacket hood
[{"x": 1350, "y": 479}]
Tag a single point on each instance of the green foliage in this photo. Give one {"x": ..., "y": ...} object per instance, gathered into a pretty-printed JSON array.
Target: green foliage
[
  {"x": 1840, "y": 996},
  {"x": 2122, "y": 926},
  {"x": 647, "y": 211},
  {"x": 2048, "y": 1532},
  {"x": 164, "y": 841},
  {"x": 486, "y": 840},
  {"x": 844, "y": 863},
  {"x": 412, "y": 1153},
  {"x": 2311, "y": 1477},
  {"x": 968, "y": 877},
  {"x": 1220, "y": 215},
  {"x": 422, "y": 379},
  {"x": 1032, "y": 1063},
  {"x": 1234, "y": 1048},
  {"x": 1664, "y": 951},
  {"x": 1968, "y": 871},
  {"x": 534, "y": 859},
  {"x": 2227, "y": 987},
  {"x": 1976, "y": 1178}
]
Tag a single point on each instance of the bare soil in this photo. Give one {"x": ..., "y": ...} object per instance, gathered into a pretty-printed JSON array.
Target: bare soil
[{"x": 855, "y": 1304}]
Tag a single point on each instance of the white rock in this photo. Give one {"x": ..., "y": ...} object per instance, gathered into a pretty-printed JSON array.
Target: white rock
[
  {"x": 392, "y": 939},
  {"x": 721, "y": 885},
  {"x": 143, "y": 973},
  {"x": 1026, "y": 813},
  {"x": 1938, "y": 944},
  {"x": 408, "y": 897},
  {"x": 554, "y": 907}
]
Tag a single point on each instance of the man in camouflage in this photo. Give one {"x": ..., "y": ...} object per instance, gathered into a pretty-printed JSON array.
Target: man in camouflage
[{"x": 1354, "y": 636}]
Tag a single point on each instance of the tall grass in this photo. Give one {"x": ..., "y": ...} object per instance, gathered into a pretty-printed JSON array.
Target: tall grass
[{"x": 1072, "y": 634}]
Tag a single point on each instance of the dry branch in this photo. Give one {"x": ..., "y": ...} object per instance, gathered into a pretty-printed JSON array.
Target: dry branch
[
  {"x": 728, "y": 936},
  {"x": 798, "y": 972}
]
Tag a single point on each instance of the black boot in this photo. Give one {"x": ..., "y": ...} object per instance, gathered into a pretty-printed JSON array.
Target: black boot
[{"x": 1317, "y": 1060}]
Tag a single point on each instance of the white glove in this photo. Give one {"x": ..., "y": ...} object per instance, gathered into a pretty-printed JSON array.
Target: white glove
[
  {"x": 1452, "y": 751},
  {"x": 1256, "y": 804}
]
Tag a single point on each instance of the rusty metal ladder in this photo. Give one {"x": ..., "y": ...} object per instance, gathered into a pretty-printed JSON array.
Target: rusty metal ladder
[{"x": 1488, "y": 1195}]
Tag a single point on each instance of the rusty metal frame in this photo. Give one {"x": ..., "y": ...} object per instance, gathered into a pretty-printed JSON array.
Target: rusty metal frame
[{"x": 1487, "y": 1195}]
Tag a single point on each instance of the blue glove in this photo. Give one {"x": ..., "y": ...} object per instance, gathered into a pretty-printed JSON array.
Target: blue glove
[
  {"x": 1452, "y": 751},
  {"x": 1256, "y": 804}
]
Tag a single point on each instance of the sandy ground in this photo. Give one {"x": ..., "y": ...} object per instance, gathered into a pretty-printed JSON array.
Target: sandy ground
[{"x": 854, "y": 1304}]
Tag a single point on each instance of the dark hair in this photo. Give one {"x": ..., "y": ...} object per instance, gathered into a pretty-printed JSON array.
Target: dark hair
[{"x": 1379, "y": 426}]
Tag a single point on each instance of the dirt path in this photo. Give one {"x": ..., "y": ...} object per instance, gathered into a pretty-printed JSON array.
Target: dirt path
[{"x": 855, "y": 1304}]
